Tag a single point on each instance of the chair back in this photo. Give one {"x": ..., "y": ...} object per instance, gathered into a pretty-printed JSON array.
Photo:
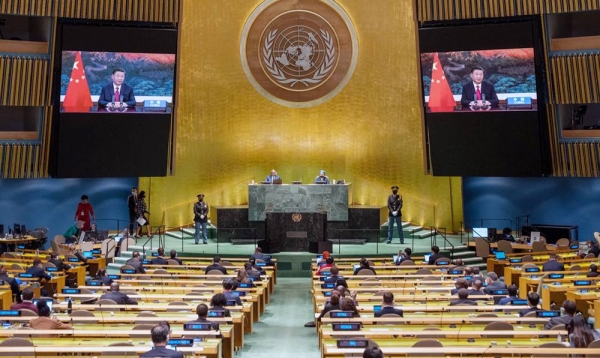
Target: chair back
[
  {"x": 482, "y": 248},
  {"x": 407, "y": 263},
  {"x": 538, "y": 246},
  {"x": 108, "y": 247},
  {"x": 575, "y": 268},
  {"x": 550, "y": 345},
  {"x": 172, "y": 262},
  {"x": 498, "y": 326},
  {"x": 126, "y": 243},
  {"x": 506, "y": 246},
  {"x": 214, "y": 272},
  {"x": 17, "y": 267},
  {"x": 178, "y": 306},
  {"x": 563, "y": 242},
  {"x": 365, "y": 272},
  {"x": 83, "y": 313},
  {"x": 25, "y": 312},
  {"x": 427, "y": 343},
  {"x": 86, "y": 246},
  {"x": 48, "y": 264},
  {"x": 147, "y": 322},
  {"x": 105, "y": 302},
  {"x": 16, "y": 342},
  {"x": 424, "y": 271},
  {"x": 527, "y": 258},
  {"x": 590, "y": 256},
  {"x": 120, "y": 354}
]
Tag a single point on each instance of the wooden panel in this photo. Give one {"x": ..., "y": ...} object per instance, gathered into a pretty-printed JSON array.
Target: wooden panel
[
  {"x": 22, "y": 135},
  {"x": 574, "y": 133},
  {"x": 27, "y": 7},
  {"x": 575, "y": 43},
  {"x": 32, "y": 47}
]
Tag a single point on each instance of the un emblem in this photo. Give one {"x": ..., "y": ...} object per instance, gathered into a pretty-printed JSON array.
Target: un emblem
[{"x": 299, "y": 53}]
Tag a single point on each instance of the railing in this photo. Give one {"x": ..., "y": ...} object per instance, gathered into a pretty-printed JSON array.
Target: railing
[
  {"x": 441, "y": 232},
  {"x": 514, "y": 225},
  {"x": 111, "y": 224},
  {"x": 344, "y": 234}
]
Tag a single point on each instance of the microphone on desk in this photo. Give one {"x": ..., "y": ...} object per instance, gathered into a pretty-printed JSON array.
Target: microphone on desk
[
  {"x": 101, "y": 313},
  {"x": 113, "y": 100},
  {"x": 32, "y": 345},
  {"x": 442, "y": 317},
  {"x": 459, "y": 328}
]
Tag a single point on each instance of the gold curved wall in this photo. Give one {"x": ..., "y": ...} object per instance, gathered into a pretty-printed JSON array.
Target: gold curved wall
[{"x": 369, "y": 134}]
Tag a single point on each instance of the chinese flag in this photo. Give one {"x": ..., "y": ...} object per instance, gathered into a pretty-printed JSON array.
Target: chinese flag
[
  {"x": 440, "y": 94},
  {"x": 78, "y": 98}
]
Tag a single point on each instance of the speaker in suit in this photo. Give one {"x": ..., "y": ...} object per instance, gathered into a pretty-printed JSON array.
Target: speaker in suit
[
  {"x": 469, "y": 92},
  {"x": 125, "y": 92}
]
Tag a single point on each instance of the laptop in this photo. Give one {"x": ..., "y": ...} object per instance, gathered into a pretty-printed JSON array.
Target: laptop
[
  {"x": 49, "y": 302},
  {"x": 278, "y": 181},
  {"x": 534, "y": 236},
  {"x": 480, "y": 232},
  {"x": 426, "y": 258},
  {"x": 88, "y": 254},
  {"x": 395, "y": 258},
  {"x": 500, "y": 255}
]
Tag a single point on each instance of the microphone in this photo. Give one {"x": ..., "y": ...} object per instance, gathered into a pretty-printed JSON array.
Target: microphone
[
  {"x": 113, "y": 100},
  {"x": 73, "y": 328},
  {"x": 459, "y": 328},
  {"x": 101, "y": 313},
  {"x": 442, "y": 316},
  {"x": 32, "y": 345}
]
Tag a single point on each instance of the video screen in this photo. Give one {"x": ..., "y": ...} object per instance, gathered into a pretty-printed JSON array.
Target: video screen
[
  {"x": 115, "y": 81},
  {"x": 480, "y": 80}
]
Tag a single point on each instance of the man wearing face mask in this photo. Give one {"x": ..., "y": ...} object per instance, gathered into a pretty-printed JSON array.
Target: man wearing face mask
[
  {"x": 160, "y": 337},
  {"x": 395, "y": 215},
  {"x": 200, "y": 219}
]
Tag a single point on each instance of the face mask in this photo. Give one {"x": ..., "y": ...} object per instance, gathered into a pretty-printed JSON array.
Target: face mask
[{"x": 395, "y": 191}]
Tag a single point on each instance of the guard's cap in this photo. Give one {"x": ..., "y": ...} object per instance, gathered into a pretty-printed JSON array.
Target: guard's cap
[{"x": 394, "y": 187}]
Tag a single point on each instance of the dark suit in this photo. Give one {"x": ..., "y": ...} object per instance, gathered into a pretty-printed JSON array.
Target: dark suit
[
  {"x": 38, "y": 272},
  {"x": 487, "y": 90},
  {"x": 526, "y": 311},
  {"x": 125, "y": 95},
  {"x": 555, "y": 321},
  {"x": 495, "y": 285},
  {"x": 131, "y": 207},
  {"x": 553, "y": 265},
  {"x": 162, "y": 352},
  {"x": 233, "y": 297},
  {"x": 159, "y": 261},
  {"x": 213, "y": 325},
  {"x": 176, "y": 259},
  {"x": 387, "y": 310},
  {"x": 463, "y": 302},
  {"x": 119, "y": 297},
  {"x": 592, "y": 274},
  {"x": 106, "y": 281},
  {"x": 61, "y": 266},
  {"x": 215, "y": 267},
  {"x": 137, "y": 264},
  {"x": 433, "y": 258}
]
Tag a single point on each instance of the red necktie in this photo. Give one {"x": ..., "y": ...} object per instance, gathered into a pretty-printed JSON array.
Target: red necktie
[
  {"x": 478, "y": 92},
  {"x": 117, "y": 99}
]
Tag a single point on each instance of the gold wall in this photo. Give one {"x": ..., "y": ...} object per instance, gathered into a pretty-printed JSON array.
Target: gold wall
[{"x": 369, "y": 134}]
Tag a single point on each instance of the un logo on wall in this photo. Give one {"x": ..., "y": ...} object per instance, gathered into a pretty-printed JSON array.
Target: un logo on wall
[{"x": 299, "y": 53}]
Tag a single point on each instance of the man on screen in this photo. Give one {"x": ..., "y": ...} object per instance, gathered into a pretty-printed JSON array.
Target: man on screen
[
  {"x": 478, "y": 93},
  {"x": 117, "y": 94}
]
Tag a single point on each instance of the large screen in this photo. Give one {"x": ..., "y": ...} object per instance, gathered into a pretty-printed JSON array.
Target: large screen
[
  {"x": 114, "y": 94},
  {"x": 483, "y": 96}
]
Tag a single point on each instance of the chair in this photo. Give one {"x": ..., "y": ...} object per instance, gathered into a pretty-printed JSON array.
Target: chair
[
  {"x": 593, "y": 344},
  {"x": 498, "y": 326},
  {"x": 371, "y": 282},
  {"x": 431, "y": 278},
  {"x": 120, "y": 354},
  {"x": 17, "y": 342},
  {"x": 59, "y": 239},
  {"x": 505, "y": 246},
  {"x": 442, "y": 259},
  {"x": 407, "y": 262},
  {"x": 527, "y": 258},
  {"x": 172, "y": 262},
  {"x": 226, "y": 263},
  {"x": 27, "y": 313},
  {"x": 563, "y": 242},
  {"x": 365, "y": 272},
  {"x": 106, "y": 302},
  {"x": 559, "y": 327},
  {"x": 160, "y": 272},
  {"x": 390, "y": 323},
  {"x": 126, "y": 267},
  {"x": 575, "y": 268},
  {"x": 550, "y": 345},
  {"x": 178, "y": 306},
  {"x": 16, "y": 267},
  {"x": 429, "y": 336},
  {"x": 48, "y": 264},
  {"x": 531, "y": 314},
  {"x": 538, "y": 246},
  {"x": 326, "y": 269},
  {"x": 490, "y": 315},
  {"x": 125, "y": 243},
  {"x": 589, "y": 256},
  {"x": 108, "y": 248},
  {"x": 482, "y": 248},
  {"x": 10, "y": 255},
  {"x": 427, "y": 343},
  {"x": 214, "y": 272},
  {"x": 83, "y": 313},
  {"x": 147, "y": 322},
  {"x": 424, "y": 271},
  {"x": 86, "y": 246}
]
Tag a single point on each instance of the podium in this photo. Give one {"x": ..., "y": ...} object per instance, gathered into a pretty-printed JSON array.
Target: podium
[{"x": 294, "y": 231}]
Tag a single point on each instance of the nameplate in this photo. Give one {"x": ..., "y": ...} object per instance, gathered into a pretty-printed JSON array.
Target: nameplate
[
  {"x": 96, "y": 283},
  {"x": 114, "y": 277},
  {"x": 11, "y": 313},
  {"x": 231, "y": 302},
  {"x": 197, "y": 327},
  {"x": 296, "y": 234},
  {"x": 455, "y": 272},
  {"x": 245, "y": 285},
  {"x": 556, "y": 275},
  {"x": 342, "y": 314},
  {"x": 180, "y": 342},
  {"x": 532, "y": 269},
  {"x": 499, "y": 292},
  {"x": 128, "y": 271},
  {"x": 582, "y": 283},
  {"x": 352, "y": 343},
  {"x": 346, "y": 326},
  {"x": 216, "y": 313},
  {"x": 440, "y": 263},
  {"x": 518, "y": 302},
  {"x": 51, "y": 269},
  {"x": 155, "y": 105},
  {"x": 546, "y": 314},
  {"x": 515, "y": 261},
  {"x": 328, "y": 285},
  {"x": 26, "y": 275},
  {"x": 97, "y": 251},
  {"x": 73, "y": 259},
  {"x": 327, "y": 293},
  {"x": 239, "y": 293},
  {"x": 518, "y": 102},
  {"x": 71, "y": 291}
]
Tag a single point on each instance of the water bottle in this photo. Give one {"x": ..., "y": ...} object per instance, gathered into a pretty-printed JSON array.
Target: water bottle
[{"x": 69, "y": 305}]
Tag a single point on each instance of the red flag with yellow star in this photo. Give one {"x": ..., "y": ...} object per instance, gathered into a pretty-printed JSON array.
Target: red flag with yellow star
[
  {"x": 440, "y": 94},
  {"x": 78, "y": 97}
]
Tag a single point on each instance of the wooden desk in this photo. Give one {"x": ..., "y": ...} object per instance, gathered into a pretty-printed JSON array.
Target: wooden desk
[
  {"x": 6, "y": 298},
  {"x": 557, "y": 294}
]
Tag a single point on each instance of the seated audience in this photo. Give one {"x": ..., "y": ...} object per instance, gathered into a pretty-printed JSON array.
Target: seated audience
[
  {"x": 101, "y": 276},
  {"x": 27, "y": 301},
  {"x": 202, "y": 312},
  {"x": 435, "y": 254},
  {"x": 258, "y": 255},
  {"x": 569, "y": 309},
  {"x": 242, "y": 277},
  {"x": 372, "y": 352},
  {"x": 593, "y": 248},
  {"x": 228, "y": 285},
  {"x": 458, "y": 265},
  {"x": 348, "y": 305},
  {"x": 334, "y": 304},
  {"x": 251, "y": 272},
  {"x": 335, "y": 275},
  {"x": 388, "y": 306},
  {"x": 533, "y": 299},
  {"x": 476, "y": 275},
  {"x": 218, "y": 303},
  {"x": 475, "y": 289},
  {"x": 117, "y": 296},
  {"x": 507, "y": 234},
  {"x": 56, "y": 261},
  {"x": 512, "y": 295},
  {"x": 463, "y": 299},
  {"x": 328, "y": 264},
  {"x": 160, "y": 337},
  {"x": 404, "y": 256},
  {"x": 593, "y": 271},
  {"x": 580, "y": 333},
  {"x": 493, "y": 283},
  {"x": 216, "y": 265},
  {"x": 136, "y": 262},
  {"x": 44, "y": 321},
  {"x": 14, "y": 285},
  {"x": 552, "y": 264},
  {"x": 37, "y": 271},
  {"x": 174, "y": 257},
  {"x": 364, "y": 265},
  {"x": 460, "y": 283},
  {"x": 160, "y": 259}
]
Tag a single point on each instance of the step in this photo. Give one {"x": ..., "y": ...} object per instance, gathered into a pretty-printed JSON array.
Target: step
[
  {"x": 349, "y": 241},
  {"x": 243, "y": 241}
]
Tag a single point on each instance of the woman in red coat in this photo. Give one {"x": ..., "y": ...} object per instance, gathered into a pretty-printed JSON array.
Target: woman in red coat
[{"x": 84, "y": 212}]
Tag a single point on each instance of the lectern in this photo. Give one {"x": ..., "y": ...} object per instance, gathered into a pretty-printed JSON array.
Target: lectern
[{"x": 294, "y": 231}]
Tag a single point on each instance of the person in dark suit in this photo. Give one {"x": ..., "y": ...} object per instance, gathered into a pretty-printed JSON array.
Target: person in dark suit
[
  {"x": 334, "y": 304},
  {"x": 512, "y": 295},
  {"x": 160, "y": 259},
  {"x": 218, "y": 303},
  {"x": 160, "y": 337},
  {"x": 174, "y": 257},
  {"x": 552, "y": 264},
  {"x": 60, "y": 265},
  {"x": 132, "y": 208},
  {"x": 493, "y": 283},
  {"x": 14, "y": 285},
  {"x": 404, "y": 256},
  {"x": 387, "y": 306},
  {"x": 335, "y": 275},
  {"x": 395, "y": 215},
  {"x": 202, "y": 312},
  {"x": 460, "y": 283},
  {"x": 372, "y": 352},
  {"x": 507, "y": 234},
  {"x": 36, "y": 270},
  {"x": 117, "y": 296},
  {"x": 593, "y": 271},
  {"x": 200, "y": 220},
  {"x": 570, "y": 309},
  {"x": 435, "y": 254},
  {"x": 593, "y": 248},
  {"x": 273, "y": 176},
  {"x": 123, "y": 93},
  {"x": 228, "y": 285},
  {"x": 364, "y": 265},
  {"x": 258, "y": 255},
  {"x": 216, "y": 266},
  {"x": 136, "y": 262},
  {"x": 533, "y": 299},
  {"x": 475, "y": 289},
  {"x": 101, "y": 276},
  {"x": 463, "y": 299},
  {"x": 478, "y": 90}
]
